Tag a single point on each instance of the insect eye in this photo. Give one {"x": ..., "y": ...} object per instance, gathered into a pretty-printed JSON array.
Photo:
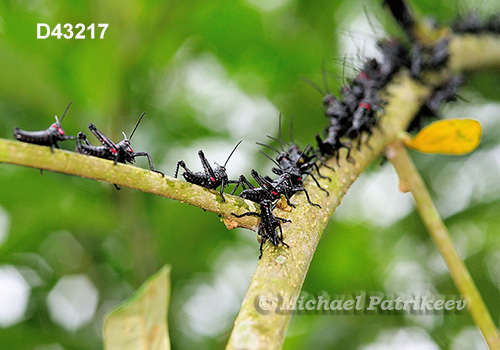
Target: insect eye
[{"x": 365, "y": 105}]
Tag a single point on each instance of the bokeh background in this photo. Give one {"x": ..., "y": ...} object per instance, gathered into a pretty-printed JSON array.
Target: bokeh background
[{"x": 208, "y": 74}]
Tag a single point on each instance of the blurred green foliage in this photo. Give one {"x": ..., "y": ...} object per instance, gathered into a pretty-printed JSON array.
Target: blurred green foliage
[{"x": 209, "y": 73}]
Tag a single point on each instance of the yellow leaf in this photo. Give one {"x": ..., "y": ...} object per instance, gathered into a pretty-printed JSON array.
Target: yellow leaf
[
  {"x": 451, "y": 136},
  {"x": 141, "y": 321}
]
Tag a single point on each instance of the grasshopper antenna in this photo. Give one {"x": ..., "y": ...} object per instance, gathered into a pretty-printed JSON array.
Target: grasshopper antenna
[
  {"x": 343, "y": 71},
  {"x": 403, "y": 14},
  {"x": 65, "y": 111},
  {"x": 234, "y": 149},
  {"x": 272, "y": 138},
  {"x": 136, "y": 125},
  {"x": 369, "y": 19},
  {"x": 270, "y": 147},
  {"x": 279, "y": 133},
  {"x": 279, "y": 140},
  {"x": 313, "y": 85},
  {"x": 301, "y": 154},
  {"x": 268, "y": 157},
  {"x": 325, "y": 80}
]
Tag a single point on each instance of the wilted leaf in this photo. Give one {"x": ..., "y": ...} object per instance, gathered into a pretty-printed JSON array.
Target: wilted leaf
[
  {"x": 141, "y": 321},
  {"x": 452, "y": 136}
]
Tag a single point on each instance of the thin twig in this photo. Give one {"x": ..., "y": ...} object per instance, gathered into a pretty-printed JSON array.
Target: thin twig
[
  {"x": 40, "y": 157},
  {"x": 412, "y": 182}
]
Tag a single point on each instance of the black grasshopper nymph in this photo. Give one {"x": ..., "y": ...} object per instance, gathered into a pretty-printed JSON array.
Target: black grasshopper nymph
[{"x": 48, "y": 137}]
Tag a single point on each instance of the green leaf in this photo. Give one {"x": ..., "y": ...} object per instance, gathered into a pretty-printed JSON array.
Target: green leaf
[{"x": 141, "y": 321}]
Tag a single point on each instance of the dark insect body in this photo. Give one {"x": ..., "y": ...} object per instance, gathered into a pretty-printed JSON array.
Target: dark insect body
[
  {"x": 353, "y": 116},
  {"x": 363, "y": 121},
  {"x": 471, "y": 23},
  {"x": 120, "y": 152},
  {"x": 271, "y": 189},
  {"x": 84, "y": 146},
  {"x": 493, "y": 24},
  {"x": 331, "y": 144},
  {"x": 351, "y": 97},
  {"x": 428, "y": 57},
  {"x": 269, "y": 224},
  {"x": 210, "y": 178},
  {"x": 293, "y": 162},
  {"x": 334, "y": 108},
  {"x": 252, "y": 193},
  {"x": 299, "y": 163},
  {"x": 395, "y": 57},
  {"x": 355, "y": 112},
  {"x": 48, "y": 137},
  {"x": 474, "y": 24},
  {"x": 446, "y": 92},
  {"x": 402, "y": 13}
]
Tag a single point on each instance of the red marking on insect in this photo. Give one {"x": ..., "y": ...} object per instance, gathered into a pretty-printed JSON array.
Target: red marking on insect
[
  {"x": 363, "y": 75},
  {"x": 130, "y": 149},
  {"x": 114, "y": 151},
  {"x": 300, "y": 179},
  {"x": 365, "y": 105},
  {"x": 284, "y": 158},
  {"x": 61, "y": 131},
  {"x": 211, "y": 178},
  {"x": 274, "y": 193}
]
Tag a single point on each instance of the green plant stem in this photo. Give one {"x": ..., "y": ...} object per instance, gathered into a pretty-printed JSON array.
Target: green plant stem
[
  {"x": 40, "y": 157},
  {"x": 471, "y": 52},
  {"x": 281, "y": 271},
  {"x": 411, "y": 181}
]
